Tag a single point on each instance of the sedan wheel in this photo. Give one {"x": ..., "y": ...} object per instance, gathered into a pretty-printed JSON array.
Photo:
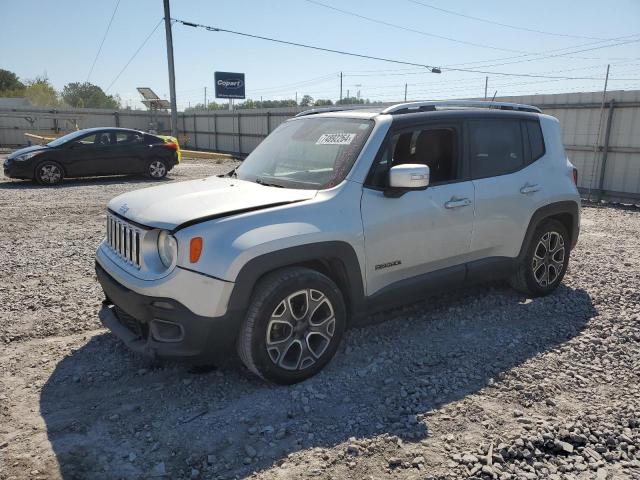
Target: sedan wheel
[
  {"x": 157, "y": 169},
  {"x": 49, "y": 173}
]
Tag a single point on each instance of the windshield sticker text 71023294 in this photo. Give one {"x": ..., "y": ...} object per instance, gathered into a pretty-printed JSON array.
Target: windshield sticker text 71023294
[{"x": 336, "y": 139}]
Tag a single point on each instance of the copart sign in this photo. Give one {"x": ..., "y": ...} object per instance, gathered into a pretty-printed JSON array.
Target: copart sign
[{"x": 229, "y": 85}]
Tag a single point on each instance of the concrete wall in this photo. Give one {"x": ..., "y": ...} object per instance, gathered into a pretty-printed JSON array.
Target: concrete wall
[{"x": 594, "y": 137}]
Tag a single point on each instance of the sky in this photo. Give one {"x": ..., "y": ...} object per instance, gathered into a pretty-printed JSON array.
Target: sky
[{"x": 60, "y": 39}]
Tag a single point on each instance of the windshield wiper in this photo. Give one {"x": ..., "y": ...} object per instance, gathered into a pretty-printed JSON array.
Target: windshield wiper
[{"x": 268, "y": 184}]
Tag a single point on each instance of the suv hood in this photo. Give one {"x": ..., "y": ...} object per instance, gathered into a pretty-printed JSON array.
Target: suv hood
[{"x": 170, "y": 206}]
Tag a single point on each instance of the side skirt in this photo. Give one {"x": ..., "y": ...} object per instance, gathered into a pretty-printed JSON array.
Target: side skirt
[{"x": 414, "y": 289}]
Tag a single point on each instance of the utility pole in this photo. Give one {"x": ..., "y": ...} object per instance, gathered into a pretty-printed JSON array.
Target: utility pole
[
  {"x": 347, "y": 93},
  {"x": 205, "y": 98},
  {"x": 486, "y": 84},
  {"x": 172, "y": 73},
  {"x": 340, "y": 85},
  {"x": 296, "y": 98},
  {"x": 596, "y": 145},
  {"x": 405, "y": 92}
]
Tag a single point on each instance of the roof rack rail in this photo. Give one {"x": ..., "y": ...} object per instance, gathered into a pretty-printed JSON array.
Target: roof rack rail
[
  {"x": 412, "y": 107},
  {"x": 315, "y": 111}
]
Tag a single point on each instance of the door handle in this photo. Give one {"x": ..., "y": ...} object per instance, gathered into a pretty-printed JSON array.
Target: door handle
[
  {"x": 528, "y": 188},
  {"x": 457, "y": 203}
]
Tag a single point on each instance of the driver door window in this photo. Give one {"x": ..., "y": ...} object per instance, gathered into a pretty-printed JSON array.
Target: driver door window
[{"x": 435, "y": 147}]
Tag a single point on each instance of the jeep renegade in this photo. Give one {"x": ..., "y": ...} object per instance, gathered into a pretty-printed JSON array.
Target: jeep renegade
[{"x": 336, "y": 214}]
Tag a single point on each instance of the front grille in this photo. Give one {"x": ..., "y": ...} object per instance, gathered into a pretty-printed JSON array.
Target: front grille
[{"x": 124, "y": 239}]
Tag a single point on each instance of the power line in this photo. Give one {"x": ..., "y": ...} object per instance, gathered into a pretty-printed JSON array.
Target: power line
[
  {"x": 493, "y": 22},
  {"x": 408, "y": 29},
  {"x": 634, "y": 40},
  {"x": 135, "y": 54},
  {"x": 370, "y": 57},
  {"x": 296, "y": 44},
  {"x": 104, "y": 37},
  {"x": 421, "y": 32}
]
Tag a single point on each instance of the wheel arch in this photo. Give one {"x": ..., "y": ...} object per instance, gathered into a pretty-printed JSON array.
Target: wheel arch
[
  {"x": 566, "y": 212},
  {"x": 335, "y": 259}
]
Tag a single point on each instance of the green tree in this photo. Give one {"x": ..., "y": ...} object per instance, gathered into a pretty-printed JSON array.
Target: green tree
[
  {"x": 323, "y": 103},
  {"x": 9, "y": 82},
  {"x": 87, "y": 95},
  {"x": 306, "y": 101},
  {"x": 41, "y": 93},
  {"x": 351, "y": 101}
]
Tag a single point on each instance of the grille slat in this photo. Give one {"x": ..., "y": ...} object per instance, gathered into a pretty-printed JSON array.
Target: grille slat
[{"x": 124, "y": 239}]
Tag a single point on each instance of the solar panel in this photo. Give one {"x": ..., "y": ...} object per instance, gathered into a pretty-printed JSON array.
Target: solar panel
[{"x": 147, "y": 93}]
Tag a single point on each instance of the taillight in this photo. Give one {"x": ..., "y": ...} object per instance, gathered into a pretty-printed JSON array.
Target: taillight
[
  {"x": 171, "y": 145},
  {"x": 575, "y": 176}
]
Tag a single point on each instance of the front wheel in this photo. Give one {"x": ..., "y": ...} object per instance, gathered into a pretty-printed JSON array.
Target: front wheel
[
  {"x": 293, "y": 326},
  {"x": 49, "y": 173},
  {"x": 157, "y": 169},
  {"x": 545, "y": 263}
]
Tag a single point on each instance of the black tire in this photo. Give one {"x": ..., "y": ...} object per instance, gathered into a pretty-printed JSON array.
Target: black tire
[
  {"x": 267, "y": 324},
  {"x": 157, "y": 169},
  {"x": 530, "y": 276},
  {"x": 49, "y": 173}
]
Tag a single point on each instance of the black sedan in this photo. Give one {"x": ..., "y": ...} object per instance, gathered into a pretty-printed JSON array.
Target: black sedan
[{"x": 93, "y": 152}]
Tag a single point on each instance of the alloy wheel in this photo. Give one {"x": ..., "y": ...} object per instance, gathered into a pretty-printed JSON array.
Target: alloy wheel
[
  {"x": 300, "y": 329},
  {"x": 548, "y": 258},
  {"x": 157, "y": 169},
  {"x": 50, "y": 173}
]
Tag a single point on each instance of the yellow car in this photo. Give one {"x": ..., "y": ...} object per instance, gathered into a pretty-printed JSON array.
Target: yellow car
[{"x": 174, "y": 140}]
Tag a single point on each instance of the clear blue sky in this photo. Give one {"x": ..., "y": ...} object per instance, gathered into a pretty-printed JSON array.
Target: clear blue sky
[{"x": 61, "y": 38}]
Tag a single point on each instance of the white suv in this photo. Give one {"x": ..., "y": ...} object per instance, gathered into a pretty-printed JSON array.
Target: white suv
[{"x": 334, "y": 215}]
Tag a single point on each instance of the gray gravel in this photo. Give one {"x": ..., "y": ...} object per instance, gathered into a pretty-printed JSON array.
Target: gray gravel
[{"x": 477, "y": 383}]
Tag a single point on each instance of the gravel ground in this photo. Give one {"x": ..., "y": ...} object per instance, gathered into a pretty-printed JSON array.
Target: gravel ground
[{"x": 477, "y": 383}]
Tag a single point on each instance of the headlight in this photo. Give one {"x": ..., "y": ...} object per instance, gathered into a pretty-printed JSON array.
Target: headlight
[
  {"x": 26, "y": 156},
  {"x": 167, "y": 248}
]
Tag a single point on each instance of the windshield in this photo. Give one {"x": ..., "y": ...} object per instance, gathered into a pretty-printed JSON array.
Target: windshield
[
  {"x": 310, "y": 153},
  {"x": 65, "y": 138}
]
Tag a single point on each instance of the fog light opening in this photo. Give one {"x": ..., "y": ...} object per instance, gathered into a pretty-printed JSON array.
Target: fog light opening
[{"x": 164, "y": 331}]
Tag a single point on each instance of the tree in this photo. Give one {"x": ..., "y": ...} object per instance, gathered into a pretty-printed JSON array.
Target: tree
[
  {"x": 41, "y": 93},
  {"x": 306, "y": 101},
  {"x": 323, "y": 103},
  {"x": 87, "y": 95},
  {"x": 9, "y": 82},
  {"x": 351, "y": 101}
]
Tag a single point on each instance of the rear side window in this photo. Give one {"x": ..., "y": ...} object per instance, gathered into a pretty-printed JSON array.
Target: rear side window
[
  {"x": 495, "y": 147},
  {"x": 536, "y": 140}
]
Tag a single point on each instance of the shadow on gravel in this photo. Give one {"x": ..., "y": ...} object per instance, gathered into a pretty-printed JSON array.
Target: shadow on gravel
[
  {"x": 110, "y": 414},
  {"x": 13, "y": 184}
]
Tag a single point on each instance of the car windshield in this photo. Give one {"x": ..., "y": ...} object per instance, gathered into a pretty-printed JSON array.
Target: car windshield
[
  {"x": 309, "y": 153},
  {"x": 65, "y": 138}
]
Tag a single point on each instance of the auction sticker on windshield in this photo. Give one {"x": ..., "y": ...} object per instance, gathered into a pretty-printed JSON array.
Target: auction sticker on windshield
[{"x": 336, "y": 139}]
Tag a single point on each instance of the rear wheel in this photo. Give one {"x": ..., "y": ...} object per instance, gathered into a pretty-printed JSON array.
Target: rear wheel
[
  {"x": 293, "y": 327},
  {"x": 49, "y": 173},
  {"x": 157, "y": 169},
  {"x": 545, "y": 263}
]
